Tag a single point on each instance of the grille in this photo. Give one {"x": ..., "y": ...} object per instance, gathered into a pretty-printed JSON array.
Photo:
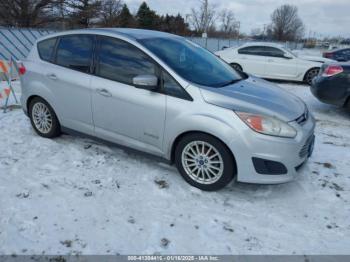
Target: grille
[{"x": 305, "y": 149}]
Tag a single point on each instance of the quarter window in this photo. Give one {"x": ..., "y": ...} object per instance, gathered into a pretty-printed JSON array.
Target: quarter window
[
  {"x": 75, "y": 52},
  {"x": 46, "y": 48},
  {"x": 121, "y": 61},
  {"x": 172, "y": 88}
]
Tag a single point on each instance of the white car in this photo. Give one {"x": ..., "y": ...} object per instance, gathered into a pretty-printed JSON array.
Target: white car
[{"x": 272, "y": 61}]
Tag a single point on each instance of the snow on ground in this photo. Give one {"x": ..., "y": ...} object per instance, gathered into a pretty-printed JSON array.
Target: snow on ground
[{"x": 72, "y": 195}]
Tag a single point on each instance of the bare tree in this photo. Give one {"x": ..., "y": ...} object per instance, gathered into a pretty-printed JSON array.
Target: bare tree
[
  {"x": 110, "y": 12},
  {"x": 83, "y": 13},
  {"x": 203, "y": 17},
  {"x": 229, "y": 24},
  {"x": 286, "y": 24},
  {"x": 27, "y": 13}
]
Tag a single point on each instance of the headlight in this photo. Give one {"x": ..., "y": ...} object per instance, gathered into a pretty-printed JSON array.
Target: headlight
[{"x": 267, "y": 125}]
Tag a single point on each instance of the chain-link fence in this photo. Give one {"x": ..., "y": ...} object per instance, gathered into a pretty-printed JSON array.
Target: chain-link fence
[{"x": 17, "y": 42}]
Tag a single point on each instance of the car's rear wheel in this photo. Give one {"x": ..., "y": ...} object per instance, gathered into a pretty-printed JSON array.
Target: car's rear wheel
[
  {"x": 204, "y": 161},
  {"x": 43, "y": 118},
  {"x": 237, "y": 67},
  {"x": 310, "y": 75}
]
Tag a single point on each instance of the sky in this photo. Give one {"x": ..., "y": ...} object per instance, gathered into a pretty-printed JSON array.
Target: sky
[{"x": 322, "y": 18}]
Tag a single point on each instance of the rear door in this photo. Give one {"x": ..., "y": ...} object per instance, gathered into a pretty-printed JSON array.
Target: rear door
[
  {"x": 68, "y": 78},
  {"x": 123, "y": 113},
  {"x": 277, "y": 65},
  {"x": 252, "y": 60}
]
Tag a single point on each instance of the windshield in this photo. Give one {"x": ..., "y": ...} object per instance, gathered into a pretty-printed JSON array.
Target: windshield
[{"x": 192, "y": 62}]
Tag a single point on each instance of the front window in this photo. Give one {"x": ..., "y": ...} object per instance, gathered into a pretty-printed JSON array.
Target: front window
[
  {"x": 192, "y": 62},
  {"x": 120, "y": 61}
]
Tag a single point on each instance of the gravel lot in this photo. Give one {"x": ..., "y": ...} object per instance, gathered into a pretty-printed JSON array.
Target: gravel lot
[{"x": 75, "y": 196}]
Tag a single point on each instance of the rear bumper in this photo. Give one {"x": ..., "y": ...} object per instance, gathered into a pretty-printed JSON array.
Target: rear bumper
[
  {"x": 330, "y": 90},
  {"x": 283, "y": 156}
]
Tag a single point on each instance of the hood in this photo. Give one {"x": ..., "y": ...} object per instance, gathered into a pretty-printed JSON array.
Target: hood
[
  {"x": 318, "y": 59},
  {"x": 254, "y": 95}
]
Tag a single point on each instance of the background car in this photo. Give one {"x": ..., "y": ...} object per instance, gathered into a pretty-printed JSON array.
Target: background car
[
  {"x": 332, "y": 85},
  {"x": 272, "y": 61},
  {"x": 341, "y": 55}
]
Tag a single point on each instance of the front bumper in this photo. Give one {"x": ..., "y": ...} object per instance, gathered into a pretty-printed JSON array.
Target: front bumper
[{"x": 291, "y": 153}]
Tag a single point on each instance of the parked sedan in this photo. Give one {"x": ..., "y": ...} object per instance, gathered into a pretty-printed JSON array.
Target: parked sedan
[
  {"x": 164, "y": 95},
  {"x": 272, "y": 61},
  {"x": 341, "y": 55},
  {"x": 332, "y": 85}
]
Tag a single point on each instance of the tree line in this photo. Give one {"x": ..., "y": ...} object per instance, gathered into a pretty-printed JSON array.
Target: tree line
[{"x": 205, "y": 18}]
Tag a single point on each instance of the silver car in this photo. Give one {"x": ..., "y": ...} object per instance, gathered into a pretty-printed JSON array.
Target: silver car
[{"x": 164, "y": 95}]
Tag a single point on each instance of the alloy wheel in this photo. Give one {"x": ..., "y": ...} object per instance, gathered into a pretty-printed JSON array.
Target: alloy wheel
[
  {"x": 202, "y": 162},
  {"x": 311, "y": 75},
  {"x": 42, "y": 117}
]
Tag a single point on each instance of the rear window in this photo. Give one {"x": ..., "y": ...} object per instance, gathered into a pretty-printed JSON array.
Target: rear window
[
  {"x": 75, "y": 52},
  {"x": 45, "y": 48}
]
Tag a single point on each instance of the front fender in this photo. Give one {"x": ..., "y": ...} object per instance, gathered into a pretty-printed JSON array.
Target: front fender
[{"x": 213, "y": 123}]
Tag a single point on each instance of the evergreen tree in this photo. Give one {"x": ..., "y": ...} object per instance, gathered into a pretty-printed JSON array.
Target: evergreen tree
[
  {"x": 125, "y": 18},
  {"x": 147, "y": 18}
]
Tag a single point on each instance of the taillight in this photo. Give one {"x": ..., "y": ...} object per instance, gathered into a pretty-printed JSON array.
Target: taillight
[
  {"x": 21, "y": 69},
  {"x": 332, "y": 70},
  {"x": 327, "y": 55}
]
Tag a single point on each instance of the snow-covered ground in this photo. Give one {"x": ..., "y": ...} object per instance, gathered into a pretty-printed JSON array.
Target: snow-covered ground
[{"x": 74, "y": 195}]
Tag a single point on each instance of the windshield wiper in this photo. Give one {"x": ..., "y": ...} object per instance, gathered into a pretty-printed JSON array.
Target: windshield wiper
[{"x": 233, "y": 81}]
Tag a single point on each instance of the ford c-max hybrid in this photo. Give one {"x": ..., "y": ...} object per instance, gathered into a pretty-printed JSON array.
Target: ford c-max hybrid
[{"x": 164, "y": 95}]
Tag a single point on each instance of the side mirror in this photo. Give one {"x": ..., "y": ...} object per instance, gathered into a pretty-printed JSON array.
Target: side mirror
[
  {"x": 148, "y": 82},
  {"x": 287, "y": 56}
]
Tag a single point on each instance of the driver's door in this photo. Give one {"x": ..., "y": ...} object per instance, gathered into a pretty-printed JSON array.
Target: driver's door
[{"x": 123, "y": 113}]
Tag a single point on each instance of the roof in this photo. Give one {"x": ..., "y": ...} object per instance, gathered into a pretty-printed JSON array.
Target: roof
[
  {"x": 262, "y": 44},
  {"x": 131, "y": 33},
  {"x": 139, "y": 33},
  {"x": 337, "y": 49}
]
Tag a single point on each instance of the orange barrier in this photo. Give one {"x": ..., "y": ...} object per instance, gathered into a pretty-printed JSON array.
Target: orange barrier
[
  {"x": 6, "y": 71},
  {"x": 5, "y": 93},
  {"x": 4, "y": 67}
]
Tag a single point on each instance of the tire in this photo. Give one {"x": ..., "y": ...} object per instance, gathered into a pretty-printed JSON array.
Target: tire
[
  {"x": 237, "y": 67},
  {"x": 194, "y": 166},
  {"x": 43, "y": 118},
  {"x": 310, "y": 75}
]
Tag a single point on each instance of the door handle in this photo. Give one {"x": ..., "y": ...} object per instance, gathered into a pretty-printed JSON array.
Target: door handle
[
  {"x": 52, "y": 76},
  {"x": 103, "y": 92},
  {"x": 270, "y": 60}
]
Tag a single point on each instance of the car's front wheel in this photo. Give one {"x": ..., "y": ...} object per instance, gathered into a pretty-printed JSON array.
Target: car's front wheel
[
  {"x": 204, "y": 161},
  {"x": 43, "y": 118}
]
